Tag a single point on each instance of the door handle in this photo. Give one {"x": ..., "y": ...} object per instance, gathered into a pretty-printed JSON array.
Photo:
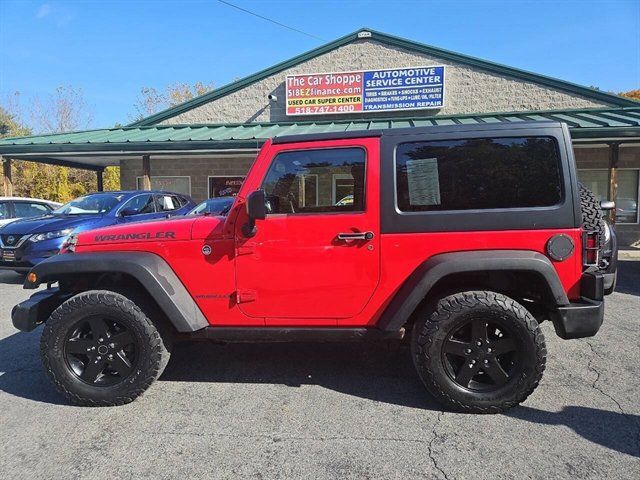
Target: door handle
[{"x": 352, "y": 236}]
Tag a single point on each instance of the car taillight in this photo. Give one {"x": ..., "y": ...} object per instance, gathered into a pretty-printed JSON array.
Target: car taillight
[{"x": 591, "y": 247}]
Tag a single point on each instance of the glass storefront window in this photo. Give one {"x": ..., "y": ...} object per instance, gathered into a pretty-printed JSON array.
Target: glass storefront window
[
  {"x": 168, "y": 184},
  {"x": 627, "y": 199}
]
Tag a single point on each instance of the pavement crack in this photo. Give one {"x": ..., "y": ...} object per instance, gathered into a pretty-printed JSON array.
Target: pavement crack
[
  {"x": 599, "y": 389},
  {"x": 435, "y": 436}
]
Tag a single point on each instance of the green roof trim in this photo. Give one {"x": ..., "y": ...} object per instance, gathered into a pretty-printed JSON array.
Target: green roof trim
[
  {"x": 392, "y": 40},
  {"x": 620, "y": 123}
]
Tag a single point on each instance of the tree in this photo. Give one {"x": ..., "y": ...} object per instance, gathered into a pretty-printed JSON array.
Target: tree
[
  {"x": 65, "y": 110},
  {"x": 151, "y": 101},
  {"x": 632, "y": 94}
]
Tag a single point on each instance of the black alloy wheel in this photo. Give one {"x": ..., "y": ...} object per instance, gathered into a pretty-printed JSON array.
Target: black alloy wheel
[
  {"x": 478, "y": 351},
  {"x": 100, "y": 351},
  {"x": 481, "y": 355}
]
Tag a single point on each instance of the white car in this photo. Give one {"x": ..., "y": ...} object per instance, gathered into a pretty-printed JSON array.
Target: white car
[{"x": 15, "y": 208}]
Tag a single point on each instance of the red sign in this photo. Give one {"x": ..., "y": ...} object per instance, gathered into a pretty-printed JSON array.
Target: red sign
[{"x": 324, "y": 93}]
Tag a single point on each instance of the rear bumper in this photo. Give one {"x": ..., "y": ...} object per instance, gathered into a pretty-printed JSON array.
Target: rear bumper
[
  {"x": 583, "y": 318},
  {"x": 579, "y": 319},
  {"x": 36, "y": 309}
]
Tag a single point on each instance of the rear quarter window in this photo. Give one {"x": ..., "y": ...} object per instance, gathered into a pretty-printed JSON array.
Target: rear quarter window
[{"x": 478, "y": 173}]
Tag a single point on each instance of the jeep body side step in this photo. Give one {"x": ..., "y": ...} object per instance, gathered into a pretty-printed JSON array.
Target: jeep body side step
[{"x": 292, "y": 334}]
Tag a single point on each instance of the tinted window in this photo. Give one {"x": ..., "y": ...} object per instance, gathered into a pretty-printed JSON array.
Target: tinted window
[
  {"x": 315, "y": 181},
  {"x": 23, "y": 209},
  {"x": 4, "y": 210},
  {"x": 167, "y": 203},
  {"x": 141, "y": 204},
  {"x": 478, "y": 173}
]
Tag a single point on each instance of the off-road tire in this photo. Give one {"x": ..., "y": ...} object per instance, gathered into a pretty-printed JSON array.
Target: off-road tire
[
  {"x": 434, "y": 325},
  {"x": 151, "y": 358},
  {"x": 592, "y": 219}
]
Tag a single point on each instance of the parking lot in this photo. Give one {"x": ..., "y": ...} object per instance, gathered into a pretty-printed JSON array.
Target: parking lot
[{"x": 327, "y": 410}]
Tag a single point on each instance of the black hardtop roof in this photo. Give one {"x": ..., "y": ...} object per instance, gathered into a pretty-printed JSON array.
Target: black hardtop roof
[{"x": 311, "y": 137}]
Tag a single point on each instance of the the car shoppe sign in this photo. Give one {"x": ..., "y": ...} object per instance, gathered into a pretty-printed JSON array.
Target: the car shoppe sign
[{"x": 414, "y": 88}]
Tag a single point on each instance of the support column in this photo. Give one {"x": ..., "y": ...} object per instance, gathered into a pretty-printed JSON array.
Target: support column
[
  {"x": 7, "y": 181},
  {"x": 146, "y": 172},
  {"x": 614, "y": 152},
  {"x": 100, "y": 180}
]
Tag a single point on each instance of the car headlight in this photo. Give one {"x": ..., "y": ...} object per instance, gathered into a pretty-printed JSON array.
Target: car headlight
[{"x": 39, "y": 237}]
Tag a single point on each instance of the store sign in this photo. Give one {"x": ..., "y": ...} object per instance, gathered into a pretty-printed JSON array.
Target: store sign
[
  {"x": 397, "y": 89},
  {"x": 224, "y": 186}
]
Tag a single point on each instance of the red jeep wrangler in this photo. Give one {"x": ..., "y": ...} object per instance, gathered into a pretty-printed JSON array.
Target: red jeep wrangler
[{"x": 462, "y": 238}]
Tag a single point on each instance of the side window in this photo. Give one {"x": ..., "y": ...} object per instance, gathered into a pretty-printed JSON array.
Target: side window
[
  {"x": 478, "y": 173},
  {"x": 167, "y": 203},
  {"x": 4, "y": 210},
  {"x": 316, "y": 181},
  {"x": 24, "y": 209},
  {"x": 141, "y": 204}
]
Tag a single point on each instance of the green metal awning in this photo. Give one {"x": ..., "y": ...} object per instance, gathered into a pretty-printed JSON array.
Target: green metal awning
[{"x": 99, "y": 148}]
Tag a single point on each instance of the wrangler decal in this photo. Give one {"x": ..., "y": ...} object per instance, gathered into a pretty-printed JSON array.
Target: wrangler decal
[{"x": 134, "y": 236}]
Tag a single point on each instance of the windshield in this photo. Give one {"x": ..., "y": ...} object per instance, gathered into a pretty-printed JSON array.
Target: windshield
[
  {"x": 98, "y": 203},
  {"x": 214, "y": 206}
]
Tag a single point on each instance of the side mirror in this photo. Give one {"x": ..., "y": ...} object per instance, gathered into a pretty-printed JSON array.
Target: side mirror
[
  {"x": 256, "y": 210},
  {"x": 127, "y": 212},
  {"x": 607, "y": 205}
]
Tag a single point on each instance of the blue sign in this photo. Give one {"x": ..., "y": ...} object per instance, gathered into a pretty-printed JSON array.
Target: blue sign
[{"x": 413, "y": 88}]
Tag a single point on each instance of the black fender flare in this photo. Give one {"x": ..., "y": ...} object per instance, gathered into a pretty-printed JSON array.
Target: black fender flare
[
  {"x": 416, "y": 287},
  {"x": 149, "y": 269}
]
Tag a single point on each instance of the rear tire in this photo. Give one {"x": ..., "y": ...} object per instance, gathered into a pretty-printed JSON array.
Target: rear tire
[
  {"x": 100, "y": 349},
  {"x": 478, "y": 351}
]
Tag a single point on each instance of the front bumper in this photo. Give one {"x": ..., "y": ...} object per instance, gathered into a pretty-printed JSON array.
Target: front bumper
[{"x": 36, "y": 309}]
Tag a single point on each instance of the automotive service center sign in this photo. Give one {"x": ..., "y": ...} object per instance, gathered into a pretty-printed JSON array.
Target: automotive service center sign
[{"x": 413, "y": 88}]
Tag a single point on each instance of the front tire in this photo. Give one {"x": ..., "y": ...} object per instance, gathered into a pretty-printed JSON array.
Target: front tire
[
  {"x": 100, "y": 349},
  {"x": 478, "y": 351}
]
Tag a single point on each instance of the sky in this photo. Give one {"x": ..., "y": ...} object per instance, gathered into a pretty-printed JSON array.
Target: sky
[{"x": 111, "y": 49}]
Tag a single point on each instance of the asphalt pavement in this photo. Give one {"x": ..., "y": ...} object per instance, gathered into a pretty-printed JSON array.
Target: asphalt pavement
[{"x": 327, "y": 411}]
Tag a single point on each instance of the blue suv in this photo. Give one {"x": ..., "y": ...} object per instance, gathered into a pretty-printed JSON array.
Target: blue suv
[{"x": 26, "y": 242}]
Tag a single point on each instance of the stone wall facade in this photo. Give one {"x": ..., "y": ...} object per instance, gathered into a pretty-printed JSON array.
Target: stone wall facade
[
  {"x": 467, "y": 89},
  {"x": 197, "y": 168}
]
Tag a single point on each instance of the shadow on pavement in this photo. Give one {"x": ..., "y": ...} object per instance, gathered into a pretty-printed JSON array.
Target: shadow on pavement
[
  {"x": 628, "y": 277},
  {"x": 21, "y": 372},
  {"x": 9, "y": 277},
  {"x": 373, "y": 371},
  {"x": 612, "y": 430}
]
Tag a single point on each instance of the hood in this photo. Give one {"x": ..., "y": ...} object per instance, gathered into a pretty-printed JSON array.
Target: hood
[
  {"x": 48, "y": 223},
  {"x": 163, "y": 230}
]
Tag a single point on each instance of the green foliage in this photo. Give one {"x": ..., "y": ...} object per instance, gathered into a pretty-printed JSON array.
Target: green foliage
[{"x": 10, "y": 126}]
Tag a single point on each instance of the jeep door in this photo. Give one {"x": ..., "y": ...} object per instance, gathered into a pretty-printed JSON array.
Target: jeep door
[{"x": 315, "y": 258}]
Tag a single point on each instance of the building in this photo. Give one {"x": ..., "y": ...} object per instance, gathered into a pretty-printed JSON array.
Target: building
[{"x": 205, "y": 146}]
